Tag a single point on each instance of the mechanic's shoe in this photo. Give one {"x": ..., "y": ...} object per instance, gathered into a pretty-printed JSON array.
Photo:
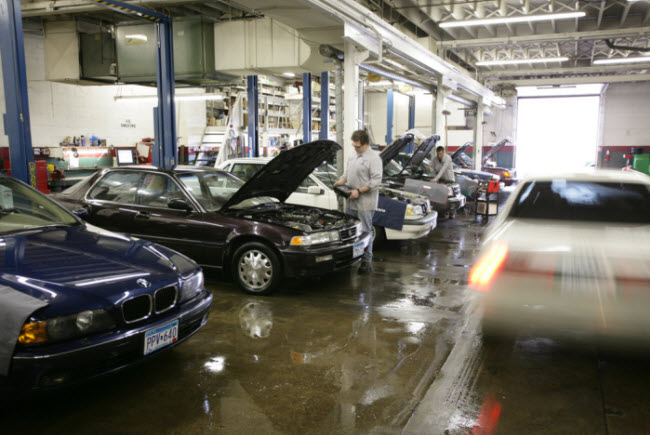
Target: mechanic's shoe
[{"x": 365, "y": 267}]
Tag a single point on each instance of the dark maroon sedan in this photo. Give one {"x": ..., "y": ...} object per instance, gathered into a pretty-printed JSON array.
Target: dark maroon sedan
[{"x": 221, "y": 222}]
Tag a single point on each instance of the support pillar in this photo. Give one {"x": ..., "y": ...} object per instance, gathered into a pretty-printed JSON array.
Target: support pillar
[
  {"x": 390, "y": 109},
  {"x": 16, "y": 120},
  {"x": 165, "y": 152},
  {"x": 252, "y": 88},
  {"x": 411, "y": 124},
  {"x": 478, "y": 136},
  {"x": 438, "y": 123},
  {"x": 306, "y": 108},
  {"x": 353, "y": 57},
  {"x": 362, "y": 104},
  {"x": 324, "y": 105}
]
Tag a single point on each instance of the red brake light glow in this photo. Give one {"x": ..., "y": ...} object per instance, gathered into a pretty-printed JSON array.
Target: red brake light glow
[{"x": 487, "y": 267}]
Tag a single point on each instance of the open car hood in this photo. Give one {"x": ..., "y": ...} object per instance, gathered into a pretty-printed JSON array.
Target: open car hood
[
  {"x": 280, "y": 177},
  {"x": 461, "y": 150},
  {"x": 421, "y": 152},
  {"x": 395, "y": 148},
  {"x": 495, "y": 149}
]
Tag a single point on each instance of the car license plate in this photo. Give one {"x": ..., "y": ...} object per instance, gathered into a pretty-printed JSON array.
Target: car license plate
[
  {"x": 161, "y": 336},
  {"x": 357, "y": 249}
]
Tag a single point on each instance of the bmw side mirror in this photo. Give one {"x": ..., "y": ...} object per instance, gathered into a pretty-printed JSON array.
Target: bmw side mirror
[
  {"x": 179, "y": 204},
  {"x": 81, "y": 213},
  {"x": 315, "y": 190}
]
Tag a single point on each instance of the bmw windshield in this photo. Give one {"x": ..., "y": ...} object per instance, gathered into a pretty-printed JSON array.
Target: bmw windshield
[{"x": 22, "y": 208}]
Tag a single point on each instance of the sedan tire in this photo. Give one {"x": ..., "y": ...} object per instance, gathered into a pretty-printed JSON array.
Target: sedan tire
[{"x": 256, "y": 268}]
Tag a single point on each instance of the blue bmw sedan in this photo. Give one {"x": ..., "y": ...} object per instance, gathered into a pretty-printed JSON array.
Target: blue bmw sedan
[{"x": 78, "y": 302}]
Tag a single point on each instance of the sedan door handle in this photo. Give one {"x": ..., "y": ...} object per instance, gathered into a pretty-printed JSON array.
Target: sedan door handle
[{"x": 143, "y": 215}]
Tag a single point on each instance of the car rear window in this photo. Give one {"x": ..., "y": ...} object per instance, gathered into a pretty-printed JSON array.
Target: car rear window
[{"x": 584, "y": 201}]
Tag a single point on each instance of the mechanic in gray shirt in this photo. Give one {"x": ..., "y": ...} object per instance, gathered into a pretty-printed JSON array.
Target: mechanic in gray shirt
[
  {"x": 363, "y": 175},
  {"x": 442, "y": 168}
]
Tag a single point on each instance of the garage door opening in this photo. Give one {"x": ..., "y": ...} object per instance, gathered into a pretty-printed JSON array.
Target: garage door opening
[{"x": 557, "y": 132}]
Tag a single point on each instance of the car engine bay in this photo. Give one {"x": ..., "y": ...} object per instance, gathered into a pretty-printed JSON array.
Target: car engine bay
[{"x": 308, "y": 219}]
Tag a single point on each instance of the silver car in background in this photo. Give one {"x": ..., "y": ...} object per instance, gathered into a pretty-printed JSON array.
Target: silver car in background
[{"x": 569, "y": 252}]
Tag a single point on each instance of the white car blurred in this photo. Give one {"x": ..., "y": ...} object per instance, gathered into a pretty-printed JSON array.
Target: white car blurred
[
  {"x": 316, "y": 191},
  {"x": 569, "y": 252}
]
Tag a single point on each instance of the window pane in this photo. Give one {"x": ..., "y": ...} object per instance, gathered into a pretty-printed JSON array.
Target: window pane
[
  {"x": 245, "y": 171},
  {"x": 157, "y": 190},
  {"x": 21, "y": 208},
  {"x": 117, "y": 187},
  {"x": 584, "y": 201}
]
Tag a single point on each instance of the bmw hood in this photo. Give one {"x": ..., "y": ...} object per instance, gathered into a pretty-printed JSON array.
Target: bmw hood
[
  {"x": 280, "y": 177},
  {"x": 71, "y": 265},
  {"x": 495, "y": 149},
  {"x": 395, "y": 148}
]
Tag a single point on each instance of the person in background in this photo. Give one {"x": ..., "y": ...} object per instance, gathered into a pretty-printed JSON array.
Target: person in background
[
  {"x": 363, "y": 175},
  {"x": 441, "y": 167},
  {"x": 443, "y": 171}
]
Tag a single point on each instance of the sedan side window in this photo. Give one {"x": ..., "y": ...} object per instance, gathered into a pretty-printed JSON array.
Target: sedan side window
[
  {"x": 156, "y": 190},
  {"x": 245, "y": 171},
  {"x": 117, "y": 187}
]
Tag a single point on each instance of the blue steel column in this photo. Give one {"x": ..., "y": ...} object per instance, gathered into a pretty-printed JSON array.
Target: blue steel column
[
  {"x": 16, "y": 120},
  {"x": 306, "y": 107},
  {"x": 324, "y": 105},
  {"x": 253, "y": 116},
  {"x": 389, "y": 118},
  {"x": 411, "y": 147},
  {"x": 167, "y": 151}
]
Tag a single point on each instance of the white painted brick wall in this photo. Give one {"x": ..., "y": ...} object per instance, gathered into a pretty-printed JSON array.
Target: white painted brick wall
[
  {"x": 626, "y": 115},
  {"x": 58, "y": 110}
]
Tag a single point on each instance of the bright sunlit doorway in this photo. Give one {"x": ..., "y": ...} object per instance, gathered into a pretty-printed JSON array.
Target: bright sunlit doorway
[{"x": 557, "y": 132}]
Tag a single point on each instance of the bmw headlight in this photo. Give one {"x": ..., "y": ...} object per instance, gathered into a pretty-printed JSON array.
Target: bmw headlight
[
  {"x": 191, "y": 286},
  {"x": 315, "y": 238},
  {"x": 66, "y": 327}
]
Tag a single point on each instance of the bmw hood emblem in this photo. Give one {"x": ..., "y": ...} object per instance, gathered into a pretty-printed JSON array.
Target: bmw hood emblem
[{"x": 143, "y": 283}]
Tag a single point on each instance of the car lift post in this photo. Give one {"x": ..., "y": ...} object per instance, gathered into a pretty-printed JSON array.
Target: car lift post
[
  {"x": 165, "y": 152},
  {"x": 252, "y": 88},
  {"x": 411, "y": 147},
  {"x": 306, "y": 107},
  {"x": 324, "y": 105},
  {"x": 16, "y": 120},
  {"x": 389, "y": 117}
]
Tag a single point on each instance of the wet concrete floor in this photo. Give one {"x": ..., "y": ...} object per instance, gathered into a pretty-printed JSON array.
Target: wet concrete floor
[{"x": 396, "y": 351}]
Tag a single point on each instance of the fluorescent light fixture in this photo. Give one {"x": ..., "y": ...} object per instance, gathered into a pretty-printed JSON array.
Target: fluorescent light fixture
[
  {"x": 194, "y": 97},
  {"x": 522, "y": 61},
  {"x": 288, "y": 74},
  {"x": 138, "y": 37},
  {"x": 511, "y": 20},
  {"x": 380, "y": 83},
  {"x": 619, "y": 60}
]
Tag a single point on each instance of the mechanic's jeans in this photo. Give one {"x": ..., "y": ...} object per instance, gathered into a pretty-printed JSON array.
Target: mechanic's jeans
[{"x": 365, "y": 216}]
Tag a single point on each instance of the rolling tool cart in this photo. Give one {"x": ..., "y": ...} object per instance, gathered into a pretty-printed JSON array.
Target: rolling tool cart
[{"x": 487, "y": 199}]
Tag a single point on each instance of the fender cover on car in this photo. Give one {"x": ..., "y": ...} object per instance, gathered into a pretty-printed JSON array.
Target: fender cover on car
[
  {"x": 438, "y": 193},
  {"x": 390, "y": 213},
  {"x": 15, "y": 308}
]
